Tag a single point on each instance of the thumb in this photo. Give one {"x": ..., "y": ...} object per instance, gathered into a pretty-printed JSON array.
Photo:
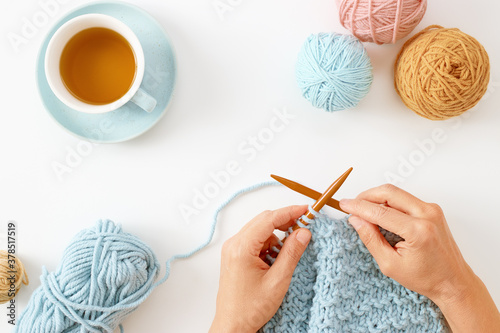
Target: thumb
[
  {"x": 374, "y": 241},
  {"x": 290, "y": 254}
]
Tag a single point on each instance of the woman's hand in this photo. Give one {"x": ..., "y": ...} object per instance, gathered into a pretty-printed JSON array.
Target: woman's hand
[
  {"x": 428, "y": 261},
  {"x": 251, "y": 291}
]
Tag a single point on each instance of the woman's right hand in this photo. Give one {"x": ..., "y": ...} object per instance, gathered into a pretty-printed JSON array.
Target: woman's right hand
[{"x": 428, "y": 261}]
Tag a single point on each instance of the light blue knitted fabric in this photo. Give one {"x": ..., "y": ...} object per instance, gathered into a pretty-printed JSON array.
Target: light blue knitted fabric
[{"x": 338, "y": 287}]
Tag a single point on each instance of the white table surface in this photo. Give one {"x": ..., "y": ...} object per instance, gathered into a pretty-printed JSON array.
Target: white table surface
[{"x": 232, "y": 74}]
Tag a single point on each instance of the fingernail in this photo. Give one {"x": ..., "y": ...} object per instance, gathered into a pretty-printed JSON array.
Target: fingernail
[
  {"x": 356, "y": 222},
  {"x": 303, "y": 236},
  {"x": 345, "y": 203}
]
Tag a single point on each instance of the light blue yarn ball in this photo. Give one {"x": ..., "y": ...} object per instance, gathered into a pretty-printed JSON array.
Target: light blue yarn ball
[
  {"x": 334, "y": 71},
  {"x": 104, "y": 275}
]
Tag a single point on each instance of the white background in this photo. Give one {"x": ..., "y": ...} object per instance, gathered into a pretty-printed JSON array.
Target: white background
[{"x": 232, "y": 74}]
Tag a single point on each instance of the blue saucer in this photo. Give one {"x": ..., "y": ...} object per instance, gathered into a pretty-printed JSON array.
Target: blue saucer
[{"x": 129, "y": 121}]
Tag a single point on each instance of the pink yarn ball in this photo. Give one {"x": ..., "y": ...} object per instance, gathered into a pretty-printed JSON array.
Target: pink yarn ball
[{"x": 381, "y": 21}]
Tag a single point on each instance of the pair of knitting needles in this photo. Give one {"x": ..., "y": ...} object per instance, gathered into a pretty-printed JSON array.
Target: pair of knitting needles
[{"x": 321, "y": 200}]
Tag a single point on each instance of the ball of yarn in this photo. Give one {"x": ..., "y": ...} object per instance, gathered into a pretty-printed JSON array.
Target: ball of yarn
[
  {"x": 105, "y": 274},
  {"x": 12, "y": 276},
  {"x": 333, "y": 71},
  {"x": 381, "y": 21},
  {"x": 441, "y": 73}
]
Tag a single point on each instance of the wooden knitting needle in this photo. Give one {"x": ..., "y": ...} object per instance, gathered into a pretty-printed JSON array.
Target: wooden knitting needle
[
  {"x": 320, "y": 203},
  {"x": 308, "y": 192}
]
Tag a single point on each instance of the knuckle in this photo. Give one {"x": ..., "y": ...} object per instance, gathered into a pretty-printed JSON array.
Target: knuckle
[
  {"x": 297, "y": 208},
  {"x": 226, "y": 247},
  {"x": 267, "y": 214},
  {"x": 380, "y": 213},
  {"x": 229, "y": 249},
  {"x": 425, "y": 230},
  {"x": 434, "y": 210},
  {"x": 355, "y": 206},
  {"x": 422, "y": 227},
  {"x": 367, "y": 237},
  {"x": 388, "y": 188},
  {"x": 292, "y": 253},
  {"x": 234, "y": 256},
  {"x": 273, "y": 216}
]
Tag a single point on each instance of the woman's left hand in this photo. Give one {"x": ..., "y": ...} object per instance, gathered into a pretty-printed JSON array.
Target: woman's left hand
[{"x": 251, "y": 291}]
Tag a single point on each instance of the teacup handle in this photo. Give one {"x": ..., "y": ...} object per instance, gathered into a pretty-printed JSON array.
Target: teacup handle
[{"x": 144, "y": 100}]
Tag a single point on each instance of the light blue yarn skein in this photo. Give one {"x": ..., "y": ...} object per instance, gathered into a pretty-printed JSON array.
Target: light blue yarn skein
[
  {"x": 334, "y": 71},
  {"x": 104, "y": 275}
]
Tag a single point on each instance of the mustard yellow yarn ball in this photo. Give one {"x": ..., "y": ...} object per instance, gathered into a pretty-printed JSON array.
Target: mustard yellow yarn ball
[
  {"x": 12, "y": 276},
  {"x": 441, "y": 73}
]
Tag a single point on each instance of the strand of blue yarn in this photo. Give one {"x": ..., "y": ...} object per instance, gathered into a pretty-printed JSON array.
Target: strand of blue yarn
[{"x": 104, "y": 275}]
